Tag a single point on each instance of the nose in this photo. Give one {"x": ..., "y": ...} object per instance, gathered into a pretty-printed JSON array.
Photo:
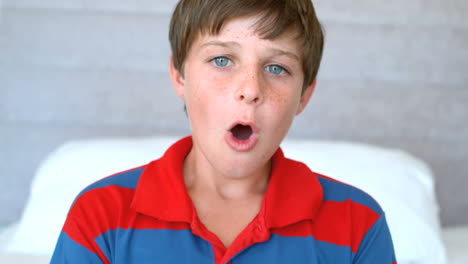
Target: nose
[{"x": 251, "y": 88}]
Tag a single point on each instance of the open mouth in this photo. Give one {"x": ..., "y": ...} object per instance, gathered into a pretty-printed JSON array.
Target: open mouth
[
  {"x": 242, "y": 132},
  {"x": 242, "y": 137}
]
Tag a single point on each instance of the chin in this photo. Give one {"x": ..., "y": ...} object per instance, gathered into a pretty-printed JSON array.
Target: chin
[{"x": 245, "y": 166}]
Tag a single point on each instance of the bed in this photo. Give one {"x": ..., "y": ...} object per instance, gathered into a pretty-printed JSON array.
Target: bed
[{"x": 401, "y": 183}]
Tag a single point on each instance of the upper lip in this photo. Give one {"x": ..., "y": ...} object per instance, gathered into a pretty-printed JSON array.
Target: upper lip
[{"x": 245, "y": 123}]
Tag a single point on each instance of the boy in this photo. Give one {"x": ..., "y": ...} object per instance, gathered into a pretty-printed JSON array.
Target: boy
[{"x": 227, "y": 194}]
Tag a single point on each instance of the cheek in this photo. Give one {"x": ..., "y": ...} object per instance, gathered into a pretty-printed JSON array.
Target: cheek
[
  {"x": 282, "y": 112},
  {"x": 206, "y": 83},
  {"x": 286, "y": 103},
  {"x": 206, "y": 98}
]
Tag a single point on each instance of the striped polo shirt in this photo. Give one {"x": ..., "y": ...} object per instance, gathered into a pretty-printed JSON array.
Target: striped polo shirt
[{"x": 145, "y": 215}]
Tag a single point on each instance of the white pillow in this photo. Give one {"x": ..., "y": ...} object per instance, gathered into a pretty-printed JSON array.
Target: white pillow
[{"x": 401, "y": 184}]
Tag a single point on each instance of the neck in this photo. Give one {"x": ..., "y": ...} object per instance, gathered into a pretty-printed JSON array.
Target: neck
[{"x": 228, "y": 185}]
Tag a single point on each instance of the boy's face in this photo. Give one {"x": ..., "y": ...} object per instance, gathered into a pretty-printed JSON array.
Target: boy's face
[{"x": 242, "y": 93}]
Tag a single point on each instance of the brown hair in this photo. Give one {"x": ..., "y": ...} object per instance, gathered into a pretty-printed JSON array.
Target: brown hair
[{"x": 194, "y": 17}]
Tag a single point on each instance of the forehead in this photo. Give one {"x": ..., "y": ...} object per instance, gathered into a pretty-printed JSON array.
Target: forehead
[{"x": 244, "y": 30}]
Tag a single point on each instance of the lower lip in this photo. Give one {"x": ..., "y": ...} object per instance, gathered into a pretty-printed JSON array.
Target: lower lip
[{"x": 241, "y": 145}]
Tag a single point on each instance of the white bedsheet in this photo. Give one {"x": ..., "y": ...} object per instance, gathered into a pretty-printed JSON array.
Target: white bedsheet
[
  {"x": 16, "y": 258},
  {"x": 455, "y": 240},
  {"x": 456, "y": 243}
]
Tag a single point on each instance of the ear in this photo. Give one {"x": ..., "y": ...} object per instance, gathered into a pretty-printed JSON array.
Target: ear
[
  {"x": 305, "y": 97},
  {"x": 177, "y": 79}
]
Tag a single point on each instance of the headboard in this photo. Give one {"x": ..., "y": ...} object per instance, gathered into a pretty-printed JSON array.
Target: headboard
[{"x": 394, "y": 74}]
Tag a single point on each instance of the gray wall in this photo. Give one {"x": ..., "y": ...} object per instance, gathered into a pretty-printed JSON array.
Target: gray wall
[{"x": 394, "y": 74}]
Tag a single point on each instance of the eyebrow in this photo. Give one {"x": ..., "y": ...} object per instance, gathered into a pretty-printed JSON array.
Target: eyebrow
[
  {"x": 225, "y": 44},
  {"x": 231, "y": 44},
  {"x": 280, "y": 52}
]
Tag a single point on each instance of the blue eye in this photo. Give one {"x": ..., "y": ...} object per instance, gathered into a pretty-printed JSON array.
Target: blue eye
[
  {"x": 221, "y": 61},
  {"x": 275, "y": 69}
]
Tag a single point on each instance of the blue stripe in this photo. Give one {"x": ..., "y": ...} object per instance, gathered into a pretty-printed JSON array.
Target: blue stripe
[
  {"x": 339, "y": 192},
  {"x": 281, "y": 249},
  {"x": 68, "y": 251},
  {"x": 123, "y": 246},
  {"x": 377, "y": 245}
]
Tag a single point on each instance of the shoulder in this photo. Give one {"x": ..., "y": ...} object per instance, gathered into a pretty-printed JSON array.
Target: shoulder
[
  {"x": 333, "y": 192},
  {"x": 353, "y": 213},
  {"x": 101, "y": 207},
  {"x": 336, "y": 191},
  {"x": 112, "y": 191},
  {"x": 127, "y": 179}
]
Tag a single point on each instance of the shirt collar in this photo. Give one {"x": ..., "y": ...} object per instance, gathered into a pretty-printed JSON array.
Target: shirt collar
[
  {"x": 160, "y": 191},
  {"x": 293, "y": 194}
]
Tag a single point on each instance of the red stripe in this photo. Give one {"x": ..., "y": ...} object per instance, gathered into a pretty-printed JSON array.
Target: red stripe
[
  {"x": 340, "y": 223},
  {"x": 108, "y": 208},
  {"x": 100, "y": 210}
]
